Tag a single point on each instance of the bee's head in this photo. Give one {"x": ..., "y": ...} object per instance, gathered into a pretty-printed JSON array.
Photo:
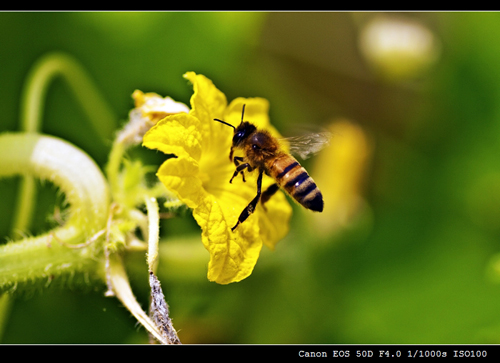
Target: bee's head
[{"x": 242, "y": 131}]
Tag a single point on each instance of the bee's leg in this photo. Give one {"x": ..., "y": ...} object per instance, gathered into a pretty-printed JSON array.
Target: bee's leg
[
  {"x": 240, "y": 168},
  {"x": 250, "y": 207},
  {"x": 237, "y": 160},
  {"x": 269, "y": 193},
  {"x": 231, "y": 154}
]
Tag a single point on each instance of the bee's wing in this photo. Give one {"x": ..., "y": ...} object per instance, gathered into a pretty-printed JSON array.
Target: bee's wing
[{"x": 305, "y": 146}]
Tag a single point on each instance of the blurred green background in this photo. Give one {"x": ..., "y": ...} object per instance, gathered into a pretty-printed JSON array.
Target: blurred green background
[{"x": 418, "y": 264}]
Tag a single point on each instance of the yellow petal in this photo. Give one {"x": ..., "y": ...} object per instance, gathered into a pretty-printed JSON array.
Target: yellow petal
[
  {"x": 176, "y": 134},
  {"x": 233, "y": 255},
  {"x": 154, "y": 107},
  {"x": 256, "y": 111},
  {"x": 207, "y": 102},
  {"x": 180, "y": 176}
]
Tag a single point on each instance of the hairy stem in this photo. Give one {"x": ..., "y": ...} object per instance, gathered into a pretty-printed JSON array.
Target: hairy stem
[{"x": 123, "y": 292}]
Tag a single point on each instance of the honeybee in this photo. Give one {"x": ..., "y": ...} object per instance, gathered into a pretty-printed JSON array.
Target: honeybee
[{"x": 264, "y": 152}]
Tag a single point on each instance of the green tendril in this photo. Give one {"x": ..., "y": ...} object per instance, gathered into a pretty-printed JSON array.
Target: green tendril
[
  {"x": 86, "y": 190},
  {"x": 45, "y": 70}
]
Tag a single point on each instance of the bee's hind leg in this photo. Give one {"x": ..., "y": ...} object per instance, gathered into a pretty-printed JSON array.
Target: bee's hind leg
[
  {"x": 273, "y": 188},
  {"x": 250, "y": 208}
]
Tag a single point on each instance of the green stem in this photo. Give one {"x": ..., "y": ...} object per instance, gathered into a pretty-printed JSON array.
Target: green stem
[{"x": 86, "y": 190}]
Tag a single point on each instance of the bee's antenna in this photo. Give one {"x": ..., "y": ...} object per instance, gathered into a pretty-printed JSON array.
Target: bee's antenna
[
  {"x": 228, "y": 124},
  {"x": 224, "y": 122}
]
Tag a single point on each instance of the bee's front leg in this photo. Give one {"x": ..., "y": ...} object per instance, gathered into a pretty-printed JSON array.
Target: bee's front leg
[
  {"x": 237, "y": 160},
  {"x": 240, "y": 168},
  {"x": 252, "y": 205}
]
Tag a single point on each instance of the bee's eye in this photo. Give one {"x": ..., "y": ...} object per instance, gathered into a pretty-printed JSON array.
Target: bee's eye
[
  {"x": 238, "y": 137},
  {"x": 255, "y": 147}
]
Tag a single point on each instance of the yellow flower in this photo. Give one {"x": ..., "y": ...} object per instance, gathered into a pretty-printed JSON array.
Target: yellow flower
[
  {"x": 199, "y": 175},
  {"x": 149, "y": 109},
  {"x": 340, "y": 170}
]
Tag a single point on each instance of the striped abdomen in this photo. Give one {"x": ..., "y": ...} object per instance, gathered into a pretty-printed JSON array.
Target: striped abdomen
[{"x": 292, "y": 177}]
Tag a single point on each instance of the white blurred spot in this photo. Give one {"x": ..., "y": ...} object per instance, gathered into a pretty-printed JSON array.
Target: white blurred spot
[{"x": 398, "y": 48}]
